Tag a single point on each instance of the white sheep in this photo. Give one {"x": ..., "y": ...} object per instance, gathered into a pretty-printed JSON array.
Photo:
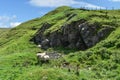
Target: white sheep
[
  {"x": 42, "y": 57},
  {"x": 41, "y": 54}
]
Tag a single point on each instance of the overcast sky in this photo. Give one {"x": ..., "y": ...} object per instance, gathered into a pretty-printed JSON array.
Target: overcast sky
[{"x": 14, "y": 12}]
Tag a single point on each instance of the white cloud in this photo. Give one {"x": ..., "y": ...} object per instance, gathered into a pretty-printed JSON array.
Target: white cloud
[
  {"x": 84, "y": 4},
  {"x": 4, "y": 18},
  {"x": 51, "y": 3},
  {"x": 57, "y": 3},
  {"x": 8, "y": 21},
  {"x": 115, "y": 0},
  {"x": 14, "y": 24}
]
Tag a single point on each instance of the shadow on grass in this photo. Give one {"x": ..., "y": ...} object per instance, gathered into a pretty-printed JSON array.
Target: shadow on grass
[{"x": 63, "y": 50}]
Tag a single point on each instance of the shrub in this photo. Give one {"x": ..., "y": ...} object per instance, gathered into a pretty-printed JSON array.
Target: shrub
[{"x": 109, "y": 44}]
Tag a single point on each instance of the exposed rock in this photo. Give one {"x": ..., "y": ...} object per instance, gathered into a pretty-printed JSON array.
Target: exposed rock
[
  {"x": 54, "y": 55},
  {"x": 79, "y": 34},
  {"x": 45, "y": 43},
  {"x": 39, "y": 38}
]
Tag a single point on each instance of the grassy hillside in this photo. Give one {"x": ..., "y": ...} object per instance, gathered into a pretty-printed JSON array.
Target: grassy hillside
[
  {"x": 18, "y": 54},
  {"x": 3, "y": 31}
]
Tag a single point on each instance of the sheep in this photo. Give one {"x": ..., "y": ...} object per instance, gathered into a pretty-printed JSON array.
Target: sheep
[
  {"x": 40, "y": 54},
  {"x": 42, "y": 58},
  {"x": 46, "y": 57}
]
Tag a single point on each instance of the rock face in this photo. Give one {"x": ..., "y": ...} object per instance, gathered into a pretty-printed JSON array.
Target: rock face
[{"x": 79, "y": 34}]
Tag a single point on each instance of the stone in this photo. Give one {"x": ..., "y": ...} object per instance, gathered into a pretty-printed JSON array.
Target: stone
[{"x": 45, "y": 44}]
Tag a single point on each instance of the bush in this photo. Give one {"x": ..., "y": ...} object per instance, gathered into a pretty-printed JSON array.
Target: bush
[
  {"x": 118, "y": 45},
  {"x": 104, "y": 53},
  {"x": 109, "y": 44}
]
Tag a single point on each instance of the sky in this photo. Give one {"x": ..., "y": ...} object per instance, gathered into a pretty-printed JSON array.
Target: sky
[{"x": 14, "y": 12}]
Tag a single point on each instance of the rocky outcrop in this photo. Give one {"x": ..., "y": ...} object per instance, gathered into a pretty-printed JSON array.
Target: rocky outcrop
[{"x": 79, "y": 34}]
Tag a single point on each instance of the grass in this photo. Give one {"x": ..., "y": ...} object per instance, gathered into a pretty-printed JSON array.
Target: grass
[{"x": 101, "y": 62}]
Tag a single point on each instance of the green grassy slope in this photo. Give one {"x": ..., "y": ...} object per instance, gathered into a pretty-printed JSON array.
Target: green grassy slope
[
  {"x": 18, "y": 59},
  {"x": 3, "y": 31}
]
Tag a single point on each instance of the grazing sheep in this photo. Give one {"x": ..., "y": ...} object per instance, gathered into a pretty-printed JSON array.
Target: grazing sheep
[
  {"x": 41, "y": 54},
  {"x": 43, "y": 58}
]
